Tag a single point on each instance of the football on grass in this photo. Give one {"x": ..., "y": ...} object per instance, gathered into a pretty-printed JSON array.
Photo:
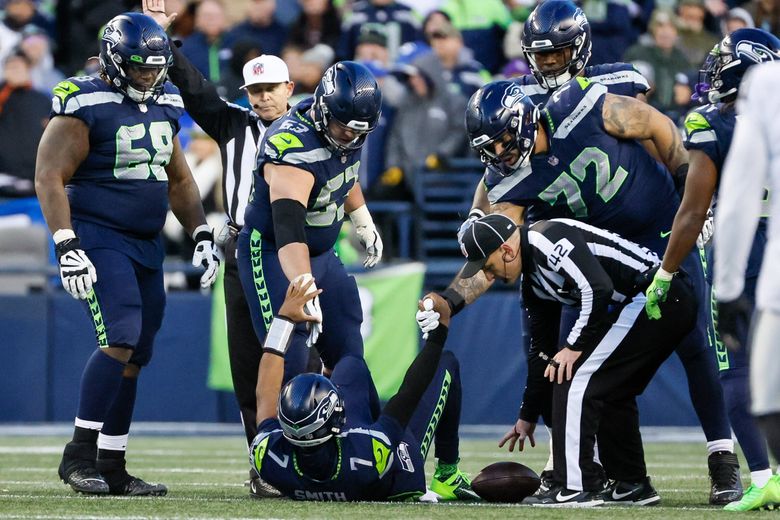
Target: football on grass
[{"x": 505, "y": 482}]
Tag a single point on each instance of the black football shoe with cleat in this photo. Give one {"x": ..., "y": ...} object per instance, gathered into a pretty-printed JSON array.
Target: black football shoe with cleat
[
  {"x": 120, "y": 482},
  {"x": 726, "y": 484},
  {"x": 559, "y": 496},
  {"x": 77, "y": 469},
  {"x": 260, "y": 489},
  {"x": 641, "y": 493}
]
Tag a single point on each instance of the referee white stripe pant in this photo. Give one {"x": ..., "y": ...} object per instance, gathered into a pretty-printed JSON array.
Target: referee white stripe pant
[{"x": 608, "y": 376}]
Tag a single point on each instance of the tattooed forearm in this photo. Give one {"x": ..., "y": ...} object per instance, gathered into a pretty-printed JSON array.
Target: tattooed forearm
[
  {"x": 625, "y": 117},
  {"x": 471, "y": 288},
  {"x": 675, "y": 155}
]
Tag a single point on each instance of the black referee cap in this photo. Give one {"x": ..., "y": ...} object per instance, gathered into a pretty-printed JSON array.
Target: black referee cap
[{"x": 484, "y": 236}]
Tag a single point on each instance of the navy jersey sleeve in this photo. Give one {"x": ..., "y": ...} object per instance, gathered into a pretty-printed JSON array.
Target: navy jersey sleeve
[
  {"x": 559, "y": 248},
  {"x": 75, "y": 97},
  {"x": 292, "y": 145},
  {"x": 700, "y": 133},
  {"x": 622, "y": 79}
]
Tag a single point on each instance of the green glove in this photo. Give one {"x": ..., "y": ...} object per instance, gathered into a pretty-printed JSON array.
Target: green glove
[{"x": 657, "y": 292}]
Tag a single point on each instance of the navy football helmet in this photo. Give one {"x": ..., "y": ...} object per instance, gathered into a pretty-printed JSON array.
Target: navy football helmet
[
  {"x": 557, "y": 25},
  {"x": 728, "y": 61},
  {"x": 499, "y": 112},
  {"x": 133, "y": 44},
  {"x": 348, "y": 96},
  {"x": 311, "y": 410}
]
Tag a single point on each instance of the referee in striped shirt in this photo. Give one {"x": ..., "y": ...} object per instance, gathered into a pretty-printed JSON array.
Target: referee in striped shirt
[
  {"x": 610, "y": 355},
  {"x": 238, "y": 131}
]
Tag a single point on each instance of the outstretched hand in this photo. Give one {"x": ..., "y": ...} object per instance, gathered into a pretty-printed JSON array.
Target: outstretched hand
[
  {"x": 155, "y": 9},
  {"x": 298, "y": 294},
  {"x": 519, "y": 432}
]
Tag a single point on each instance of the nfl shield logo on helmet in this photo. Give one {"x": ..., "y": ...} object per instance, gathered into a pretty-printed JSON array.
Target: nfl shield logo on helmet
[{"x": 258, "y": 69}]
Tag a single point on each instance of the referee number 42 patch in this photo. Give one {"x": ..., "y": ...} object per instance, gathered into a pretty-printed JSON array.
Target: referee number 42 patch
[{"x": 560, "y": 251}]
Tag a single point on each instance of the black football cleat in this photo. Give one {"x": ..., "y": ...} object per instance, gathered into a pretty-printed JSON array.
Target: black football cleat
[
  {"x": 641, "y": 493},
  {"x": 559, "y": 496},
  {"x": 121, "y": 483},
  {"x": 135, "y": 487},
  {"x": 77, "y": 469},
  {"x": 258, "y": 488},
  {"x": 725, "y": 481},
  {"x": 84, "y": 479}
]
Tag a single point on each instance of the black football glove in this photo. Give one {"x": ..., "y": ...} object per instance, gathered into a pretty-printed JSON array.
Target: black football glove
[{"x": 734, "y": 321}]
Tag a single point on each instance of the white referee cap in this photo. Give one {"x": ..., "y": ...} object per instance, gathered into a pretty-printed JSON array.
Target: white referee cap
[{"x": 265, "y": 69}]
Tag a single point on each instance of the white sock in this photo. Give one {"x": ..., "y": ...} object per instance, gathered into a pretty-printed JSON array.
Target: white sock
[
  {"x": 720, "y": 445},
  {"x": 112, "y": 442},
  {"x": 760, "y": 477}
]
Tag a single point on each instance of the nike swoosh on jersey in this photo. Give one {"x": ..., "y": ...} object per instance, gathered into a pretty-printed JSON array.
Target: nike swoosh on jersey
[
  {"x": 665, "y": 234},
  {"x": 288, "y": 141},
  {"x": 563, "y": 498}
]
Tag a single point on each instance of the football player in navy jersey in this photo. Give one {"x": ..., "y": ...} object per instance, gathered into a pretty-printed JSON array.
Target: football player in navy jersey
[
  {"x": 557, "y": 46},
  {"x": 109, "y": 163},
  {"x": 321, "y": 439},
  {"x": 304, "y": 184},
  {"x": 708, "y": 133}
]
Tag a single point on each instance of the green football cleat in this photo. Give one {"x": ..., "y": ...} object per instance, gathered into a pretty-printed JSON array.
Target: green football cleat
[
  {"x": 450, "y": 483},
  {"x": 767, "y": 497}
]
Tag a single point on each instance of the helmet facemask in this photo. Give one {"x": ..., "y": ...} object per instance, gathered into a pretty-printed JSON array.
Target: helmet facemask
[
  {"x": 324, "y": 421},
  {"x": 516, "y": 144},
  {"x": 330, "y": 128},
  {"x": 572, "y": 64}
]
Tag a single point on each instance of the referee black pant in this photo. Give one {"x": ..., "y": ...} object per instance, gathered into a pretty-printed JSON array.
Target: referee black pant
[{"x": 601, "y": 395}]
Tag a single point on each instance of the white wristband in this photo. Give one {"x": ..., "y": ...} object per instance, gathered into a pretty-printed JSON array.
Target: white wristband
[
  {"x": 279, "y": 334},
  {"x": 476, "y": 212},
  {"x": 664, "y": 275},
  {"x": 202, "y": 227},
  {"x": 361, "y": 217},
  {"x": 63, "y": 234}
]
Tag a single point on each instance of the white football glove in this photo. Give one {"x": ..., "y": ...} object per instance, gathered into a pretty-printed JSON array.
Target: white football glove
[
  {"x": 706, "y": 231},
  {"x": 368, "y": 235},
  {"x": 76, "y": 271},
  {"x": 206, "y": 254},
  {"x": 427, "y": 319},
  {"x": 474, "y": 214},
  {"x": 312, "y": 308}
]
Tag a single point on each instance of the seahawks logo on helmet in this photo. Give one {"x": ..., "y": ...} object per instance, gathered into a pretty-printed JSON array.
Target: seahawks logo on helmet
[
  {"x": 512, "y": 95},
  {"x": 755, "y": 52},
  {"x": 329, "y": 81},
  {"x": 112, "y": 35}
]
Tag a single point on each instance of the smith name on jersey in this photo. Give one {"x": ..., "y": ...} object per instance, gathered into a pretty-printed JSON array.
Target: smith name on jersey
[
  {"x": 590, "y": 175},
  {"x": 122, "y": 183},
  {"x": 293, "y": 141},
  {"x": 374, "y": 463}
]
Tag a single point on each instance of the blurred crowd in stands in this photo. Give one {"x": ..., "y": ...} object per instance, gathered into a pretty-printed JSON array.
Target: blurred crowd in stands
[{"x": 428, "y": 55}]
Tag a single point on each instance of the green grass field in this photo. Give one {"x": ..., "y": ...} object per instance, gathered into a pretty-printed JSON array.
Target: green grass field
[{"x": 205, "y": 479}]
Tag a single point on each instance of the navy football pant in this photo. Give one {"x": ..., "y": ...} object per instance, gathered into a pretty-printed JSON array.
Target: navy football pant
[
  {"x": 735, "y": 366},
  {"x": 265, "y": 286},
  {"x": 244, "y": 348},
  {"x": 128, "y": 303}
]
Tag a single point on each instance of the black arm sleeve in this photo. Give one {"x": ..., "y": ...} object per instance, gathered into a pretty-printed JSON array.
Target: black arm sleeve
[
  {"x": 418, "y": 376},
  {"x": 201, "y": 99},
  {"x": 543, "y": 318}
]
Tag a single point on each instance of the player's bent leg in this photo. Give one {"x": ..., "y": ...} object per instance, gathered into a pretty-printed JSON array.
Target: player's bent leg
[{"x": 436, "y": 419}]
